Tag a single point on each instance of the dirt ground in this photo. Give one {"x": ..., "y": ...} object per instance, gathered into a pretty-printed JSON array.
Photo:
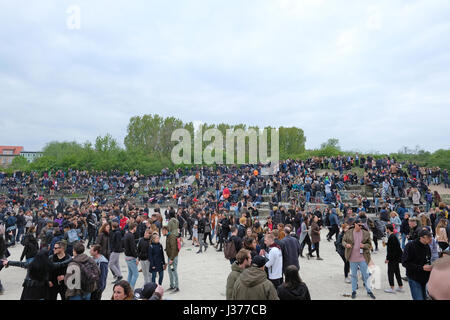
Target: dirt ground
[{"x": 203, "y": 276}]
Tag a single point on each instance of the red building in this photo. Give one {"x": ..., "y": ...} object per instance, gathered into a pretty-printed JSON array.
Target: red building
[{"x": 7, "y": 154}]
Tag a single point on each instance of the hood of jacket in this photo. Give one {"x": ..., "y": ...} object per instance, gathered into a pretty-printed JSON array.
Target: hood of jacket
[
  {"x": 81, "y": 258},
  {"x": 299, "y": 291},
  {"x": 235, "y": 267},
  {"x": 101, "y": 259},
  {"x": 252, "y": 276}
]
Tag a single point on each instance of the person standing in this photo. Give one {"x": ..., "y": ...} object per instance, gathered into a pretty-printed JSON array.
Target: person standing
[
  {"x": 357, "y": 245},
  {"x": 293, "y": 288},
  {"x": 334, "y": 225},
  {"x": 157, "y": 262},
  {"x": 56, "y": 276},
  {"x": 340, "y": 249},
  {"x": 441, "y": 234},
  {"x": 291, "y": 250},
  {"x": 131, "y": 255},
  {"x": 102, "y": 264},
  {"x": 201, "y": 232},
  {"x": 116, "y": 250},
  {"x": 417, "y": 260},
  {"x": 393, "y": 259},
  {"x": 172, "y": 255},
  {"x": 103, "y": 240},
  {"x": 275, "y": 260},
  {"x": 30, "y": 245},
  {"x": 142, "y": 248},
  {"x": 253, "y": 284},
  {"x": 243, "y": 261}
]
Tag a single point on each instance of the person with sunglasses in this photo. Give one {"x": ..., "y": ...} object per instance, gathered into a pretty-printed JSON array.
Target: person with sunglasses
[{"x": 56, "y": 276}]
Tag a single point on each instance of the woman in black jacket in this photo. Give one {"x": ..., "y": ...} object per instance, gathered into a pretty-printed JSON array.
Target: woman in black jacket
[
  {"x": 393, "y": 259},
  {"x": 142, "y": 249},
  {"x": 30, "y": 246},
  {"x": 157, "y": 260},
  {"x": 293, "y": 288},
  {"x": 36, "y": 281}
]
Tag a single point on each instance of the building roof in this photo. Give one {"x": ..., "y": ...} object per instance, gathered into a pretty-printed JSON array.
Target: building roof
[{"x": 16, "y": 149}]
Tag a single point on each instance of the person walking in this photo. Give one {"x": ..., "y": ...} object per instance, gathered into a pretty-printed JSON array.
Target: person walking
[
  {"x": 315, "y": 237},
  {"x": 393, "y": 258},
  {"x": 201, "y": 232},
  {"x": 357, "y": 245},
  {"x": 340, "y": 249}
]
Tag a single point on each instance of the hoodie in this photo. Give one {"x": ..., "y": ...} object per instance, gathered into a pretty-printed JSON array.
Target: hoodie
[
  {"x": 299, "y": 293},
  {"x": 254, "y": 285},
  {"x": 232, "y": 277},
  {"x": 102, "y": 263}
]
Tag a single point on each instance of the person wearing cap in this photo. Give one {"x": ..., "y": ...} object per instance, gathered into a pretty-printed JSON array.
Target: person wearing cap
[
  {"x": 243, "y": 261},
  {"x": 253, "y": 284},
  {"x": 357, "y": 245},
  {"x": 150, "y": 291},
  {"x": 417, "y": 261}
]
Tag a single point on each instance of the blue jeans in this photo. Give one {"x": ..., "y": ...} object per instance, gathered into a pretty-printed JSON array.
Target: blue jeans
[
  {"x": 20, "y": 232},
  {"x": 403, "y": 241},
  {"x": 308, "y": 196},
  {"x": 133, "y": 272},
  {"x": 161, "y": 276},
  {"x": 173, "y": 275},
  {"x": 417, "y": 290},
  {"x": 354, "y": 269},
  {"x": 86, "y": 296},
  {"x": 29, "y": 260}
]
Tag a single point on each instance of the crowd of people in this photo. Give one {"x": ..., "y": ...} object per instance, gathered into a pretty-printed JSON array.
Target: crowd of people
[{"x": 125, "y": 216}]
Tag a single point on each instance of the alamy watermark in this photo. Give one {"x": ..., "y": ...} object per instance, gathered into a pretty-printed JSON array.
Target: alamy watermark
[
  {"x": 73, "y": 21},
  {"x": 235, "y": 144}
]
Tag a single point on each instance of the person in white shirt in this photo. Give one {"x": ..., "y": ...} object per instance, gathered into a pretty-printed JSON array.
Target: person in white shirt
[{"x": 275, "y": 263}]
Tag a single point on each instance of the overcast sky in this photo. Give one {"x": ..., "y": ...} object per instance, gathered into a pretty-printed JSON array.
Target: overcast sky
[{"x": 374, "y": 74}]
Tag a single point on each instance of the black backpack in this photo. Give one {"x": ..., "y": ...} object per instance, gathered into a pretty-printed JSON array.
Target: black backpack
[{"x": 90, "y": 275}]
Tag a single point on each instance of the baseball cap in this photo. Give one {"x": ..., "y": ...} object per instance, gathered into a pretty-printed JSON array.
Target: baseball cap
[
  {"x": 146, "y": 292},
  {"x": 259, "y": 261}
]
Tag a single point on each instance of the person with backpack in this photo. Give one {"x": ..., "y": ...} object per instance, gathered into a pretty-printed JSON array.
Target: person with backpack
[
  {"x": 116, "y": 249},
  {"x": 102, "y": 264},
  {"x": 172, "y": 250},
  {"x": 30, "y": 246},
  {"x": 71, "y": 236},
  {"x": 56, "y": 276},
  {"x": 232, "y": 245},
  {"x": 82, "y": 275},
  {"x": 393, "y": 259}
]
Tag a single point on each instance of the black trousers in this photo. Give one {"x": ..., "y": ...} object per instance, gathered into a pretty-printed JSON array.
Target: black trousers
[
  {"x": 334, "y": 230},
  {"x": 52, "y": 293},
  {"x": 277, "y": 282},
  {"x": 346, "y": 266},
  {"x": 316, "y": 249},
  {"x": 207, "y": 235},
  {"x": 308, "y": 242},
  {"x": 96, "y": 295},
  {"x": 394, "y": 269}
]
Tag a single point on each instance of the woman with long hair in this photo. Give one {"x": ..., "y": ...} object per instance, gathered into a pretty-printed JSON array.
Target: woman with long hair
[
  {"x": 30, "y": 245},
  {"x": 103, "y": 239},
  {"x": 122, "y": 291},
  {"x": 36, "y": 281},
  {"x": 293, "y": 288},
  {"x": 304, "y": 237},
  {"x": 441, "y": 234}
]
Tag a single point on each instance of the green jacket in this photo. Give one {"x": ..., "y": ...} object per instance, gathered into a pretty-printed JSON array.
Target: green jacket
[
  {"x": 232, "y": 277},
  {"x": 254, "y": 285},
  {"x": 173, "y": 226},
  {"x": 171, "y": 246},
  {"x": 348, "y": 239}
]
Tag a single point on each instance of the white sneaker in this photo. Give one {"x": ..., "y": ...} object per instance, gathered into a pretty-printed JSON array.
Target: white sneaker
[
  {"x": 389, "y": 290},
  {"x": 347, "y": 280},
  {"x": 400, "y": 290}
]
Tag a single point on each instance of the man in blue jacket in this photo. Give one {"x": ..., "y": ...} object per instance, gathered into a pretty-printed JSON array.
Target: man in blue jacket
[
  {"x": 334, "y": 225},
  {"x": 102, "y": 263}
]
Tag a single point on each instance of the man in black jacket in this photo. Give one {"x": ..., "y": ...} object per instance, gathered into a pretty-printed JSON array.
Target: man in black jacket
[
  {"x": 131, "y": 255},
  {"x": 116, "y": 250},
  {"x": 201, "y": 232},
  {"x": 237, "y": 241},
  {"x": 417, "y": 261},
  {"x": 56, "y": 276},
  {"x": 393, "y": 258},
  {"x": 290, "y": 250}
]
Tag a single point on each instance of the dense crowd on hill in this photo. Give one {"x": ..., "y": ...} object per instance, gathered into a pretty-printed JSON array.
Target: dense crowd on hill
[{"x": 128, "y": 213}]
